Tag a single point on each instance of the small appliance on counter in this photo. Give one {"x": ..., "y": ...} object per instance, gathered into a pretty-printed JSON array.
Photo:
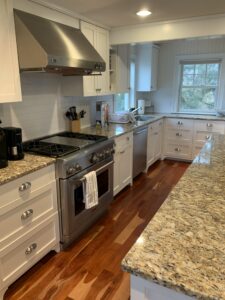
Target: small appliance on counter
[
  {"x": 3, "y": 149},
  {"x": 14, "y": 143},
  {"x": 102, "y": 113}
]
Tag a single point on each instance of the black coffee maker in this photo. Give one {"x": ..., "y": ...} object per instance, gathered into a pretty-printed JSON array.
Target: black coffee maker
[
  {"x": 3, "y": 149},
  {"x": 14, "y": 143}
]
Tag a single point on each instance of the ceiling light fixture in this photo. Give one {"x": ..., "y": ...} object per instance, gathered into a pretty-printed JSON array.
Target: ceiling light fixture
[{"x": 143, "y": 13}]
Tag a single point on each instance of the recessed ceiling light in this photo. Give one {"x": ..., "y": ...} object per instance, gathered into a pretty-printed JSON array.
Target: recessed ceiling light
[{"x": 143, "y": 13}]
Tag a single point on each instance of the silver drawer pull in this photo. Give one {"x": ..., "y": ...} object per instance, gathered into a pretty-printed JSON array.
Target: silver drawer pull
[
  {"x": 207, "y": 137},
  {"x": 179, "y": 123},
  {"x": 156, "y": 133},
  {"x": 178, "y": 134},
  {"x": 30, "y": 249},
  {"x": 98, "y": 90},
  {"x": 28, "y": 213},
  {"x": 177, "y": 149},
  {"x": 25, "y": 186},
  {"x": 209, "y": 125},
  {"x": 121, "y": 152},
  {"x": 128, "y": 138}
]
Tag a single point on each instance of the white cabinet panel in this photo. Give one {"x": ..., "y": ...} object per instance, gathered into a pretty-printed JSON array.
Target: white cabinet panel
[
  {"x": 154, "y": 144},
  {"x": 146, "y": 67},
  {"x": 123, "y": 162},
  {"x": 10, "y": 90}
]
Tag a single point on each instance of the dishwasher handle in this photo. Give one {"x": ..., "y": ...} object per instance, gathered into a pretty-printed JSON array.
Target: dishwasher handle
[{"x": 139, "y": 132}]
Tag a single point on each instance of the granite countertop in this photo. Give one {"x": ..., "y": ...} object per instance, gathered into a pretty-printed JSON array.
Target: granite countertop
[
  {"x": 183, "y": 246},
  {"x": 19, "y": 168},
  {"x": 115, "y": 129}
]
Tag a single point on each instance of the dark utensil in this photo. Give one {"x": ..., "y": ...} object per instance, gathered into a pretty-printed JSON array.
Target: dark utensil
[
  {"x": 69, "y": 115},
  {"x": 82, "y": 113},
  {"x": 73, "y": 112}
]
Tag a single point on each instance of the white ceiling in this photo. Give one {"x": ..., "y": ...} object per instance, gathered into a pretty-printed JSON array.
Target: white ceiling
[{"x": 114, "y": 13}]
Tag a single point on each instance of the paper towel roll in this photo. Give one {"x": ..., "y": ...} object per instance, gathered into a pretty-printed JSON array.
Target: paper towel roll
[{"x": 141, "y": 105}]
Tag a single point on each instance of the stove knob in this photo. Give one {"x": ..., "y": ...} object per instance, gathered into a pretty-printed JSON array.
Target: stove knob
[
  {"x": 101, "y": 155},
  {"x": 70, "y": 171},
  {"x": 94, "y": 158},
  {"x": 107, "y": 152},
  {"x": 112, "y": 151},
  {"x": 77, "y": 167}
]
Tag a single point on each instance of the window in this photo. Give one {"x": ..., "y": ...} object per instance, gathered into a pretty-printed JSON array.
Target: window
[
  {"x": 121, "y": 102},
  {"x": 198, "y": 86}
]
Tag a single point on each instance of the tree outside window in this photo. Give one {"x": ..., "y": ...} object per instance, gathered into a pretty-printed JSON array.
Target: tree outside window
[{"x": 198, "y": 86}]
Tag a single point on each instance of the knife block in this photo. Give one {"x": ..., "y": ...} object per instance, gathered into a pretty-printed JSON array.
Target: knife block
[{"x": 75, "y": 125}]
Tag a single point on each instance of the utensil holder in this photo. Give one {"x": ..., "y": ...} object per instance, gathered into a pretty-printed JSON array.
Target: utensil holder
[{"x": 75, "y": 125}]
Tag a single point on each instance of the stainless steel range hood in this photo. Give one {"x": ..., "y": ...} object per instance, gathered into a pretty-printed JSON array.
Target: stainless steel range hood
[{"x": 44, "y": 45}]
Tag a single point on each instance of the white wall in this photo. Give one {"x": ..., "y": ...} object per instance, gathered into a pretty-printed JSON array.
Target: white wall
[
  {"x": 42, "y": 110},
  {"x": 163, "y": 98}
]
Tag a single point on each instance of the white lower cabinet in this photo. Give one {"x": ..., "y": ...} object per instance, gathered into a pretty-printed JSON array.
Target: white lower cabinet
[
  {"x": 123, "y": 161},
  {"x": 154, "y": 143},
  {"x": 29, "y": 226},
  {"x": 142, "y": 289}
]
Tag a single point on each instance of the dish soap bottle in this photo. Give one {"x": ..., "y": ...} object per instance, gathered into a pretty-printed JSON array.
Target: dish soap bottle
[{"x": 3, "y": 149}]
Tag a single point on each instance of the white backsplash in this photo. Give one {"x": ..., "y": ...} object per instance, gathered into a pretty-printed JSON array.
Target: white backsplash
[{"x": 42, "y": 110}]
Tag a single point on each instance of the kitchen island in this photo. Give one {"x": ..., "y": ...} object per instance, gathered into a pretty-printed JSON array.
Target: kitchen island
[{"x": 181, "y": 253}]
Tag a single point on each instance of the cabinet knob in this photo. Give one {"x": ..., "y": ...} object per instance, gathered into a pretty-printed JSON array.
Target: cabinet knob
[
  {"x": 28, "y": 213},
  {"x": 121, "y": 152},
  {"x": 177, "y": 149},
  {"x": 179, "y": 123},
  {"x": 128, "y": 138},
  {"x": 209, "y": 125},
  {"x": 207, "y": 137},
  {"x": 25, "y": 186},
  {"x": 98, "y": 90},
  {"x": 30, "y": 249}
]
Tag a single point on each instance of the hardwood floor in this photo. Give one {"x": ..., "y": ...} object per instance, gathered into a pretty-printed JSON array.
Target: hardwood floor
[{"x": 90, "y": 268}]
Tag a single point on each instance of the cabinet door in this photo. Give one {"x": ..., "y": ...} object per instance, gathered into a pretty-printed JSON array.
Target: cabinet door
[
  {"x": 125, "y": 163},
  {"x": 10, "y": 90},
  {"x": 158, "y": 141},
  {"x": 102, "y": 46},
  {"x": 89, "y": 81}
]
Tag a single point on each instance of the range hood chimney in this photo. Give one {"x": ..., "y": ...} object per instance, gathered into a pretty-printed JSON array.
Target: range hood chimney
[{"x": 45, "y": 45}]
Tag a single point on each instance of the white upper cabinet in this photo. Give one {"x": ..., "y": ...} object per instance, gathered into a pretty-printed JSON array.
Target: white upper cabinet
[
  {"x": 120, "y": 69},
  {"x": 91, "y": 85},
  {"x": 146, "y": 67},
  {"x": 10, "y": 90}
]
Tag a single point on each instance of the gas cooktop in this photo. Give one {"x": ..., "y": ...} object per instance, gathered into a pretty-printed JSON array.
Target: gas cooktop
[{"x": 61, "y": 144}]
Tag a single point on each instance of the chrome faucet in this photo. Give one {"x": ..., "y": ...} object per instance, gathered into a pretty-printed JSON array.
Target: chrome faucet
[{"x": 132, "y": 115}]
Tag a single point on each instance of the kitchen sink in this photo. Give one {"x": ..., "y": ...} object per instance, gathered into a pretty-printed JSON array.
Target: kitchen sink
[{"x": 143, "y": 118}]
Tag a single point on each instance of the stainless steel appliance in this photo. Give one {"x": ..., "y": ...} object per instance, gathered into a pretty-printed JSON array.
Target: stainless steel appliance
[
  {"x": 3, "y": 149},
  {"x": 14, "y": 143},
  {"x": 102, "y": 113},
  {"x": 78, "y": 155},
  {"x": 48, "y": 46},
  {"x": 140, "y": 150}
]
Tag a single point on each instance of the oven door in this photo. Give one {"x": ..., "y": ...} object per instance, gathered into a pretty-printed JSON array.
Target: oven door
[{"x": 75, "y": 219}]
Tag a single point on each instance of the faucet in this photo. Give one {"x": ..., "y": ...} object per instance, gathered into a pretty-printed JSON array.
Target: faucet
[{"x": 132, "y": 115}]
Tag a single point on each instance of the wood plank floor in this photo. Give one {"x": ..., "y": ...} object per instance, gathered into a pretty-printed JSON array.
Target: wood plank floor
[{"x": 90, "y": 268}]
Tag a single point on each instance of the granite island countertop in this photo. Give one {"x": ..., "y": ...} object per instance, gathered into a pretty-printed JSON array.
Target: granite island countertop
[
  {"x": 115, "y": 129},
  {"x": 183, "y": 246},
  {"x": 19, "y": 168}
]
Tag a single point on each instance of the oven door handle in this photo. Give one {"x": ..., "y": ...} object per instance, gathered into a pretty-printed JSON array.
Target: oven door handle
[{"x": 98, "y": 170}]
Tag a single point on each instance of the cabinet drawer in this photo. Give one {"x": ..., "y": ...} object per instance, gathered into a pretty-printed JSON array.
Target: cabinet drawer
[
  {"x": 16, "y": 259},
  {"x": 178, "y": 134},
  {"x": 179, "y": 150},
  {"x": 124, "y": 141},
  {"x": 155, "y": 126},
  {"x": 18, "y": 220},
  {"x": 203, "y": 136},
  {"x": 179, "y": 123},
  {"x": 24, "y": 188},
  {"x": 209, "y": 126}
]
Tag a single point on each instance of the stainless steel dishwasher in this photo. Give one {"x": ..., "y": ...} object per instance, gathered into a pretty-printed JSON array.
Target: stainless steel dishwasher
[{"x": 139, "y": 150}]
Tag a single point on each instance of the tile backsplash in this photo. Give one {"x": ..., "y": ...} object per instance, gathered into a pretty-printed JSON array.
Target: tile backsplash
[{"x": 42, "y": 110}]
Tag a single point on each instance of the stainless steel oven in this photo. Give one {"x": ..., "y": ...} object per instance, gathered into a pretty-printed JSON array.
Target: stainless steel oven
[{"x": 75, "y": 219}]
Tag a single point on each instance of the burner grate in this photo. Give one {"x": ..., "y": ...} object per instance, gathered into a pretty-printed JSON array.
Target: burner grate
[
  {"x": 49, "y": 149},
  {"x": 83, "y": 136}
]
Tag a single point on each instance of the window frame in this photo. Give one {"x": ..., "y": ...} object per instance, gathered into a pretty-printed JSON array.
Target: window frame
[{"x": 200, "y": 58}]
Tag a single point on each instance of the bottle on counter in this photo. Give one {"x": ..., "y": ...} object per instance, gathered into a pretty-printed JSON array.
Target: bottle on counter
[{"x": 3, "y": 149}]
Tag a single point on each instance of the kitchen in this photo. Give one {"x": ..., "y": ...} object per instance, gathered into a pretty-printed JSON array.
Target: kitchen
[{"x": 46, "y": 97}]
